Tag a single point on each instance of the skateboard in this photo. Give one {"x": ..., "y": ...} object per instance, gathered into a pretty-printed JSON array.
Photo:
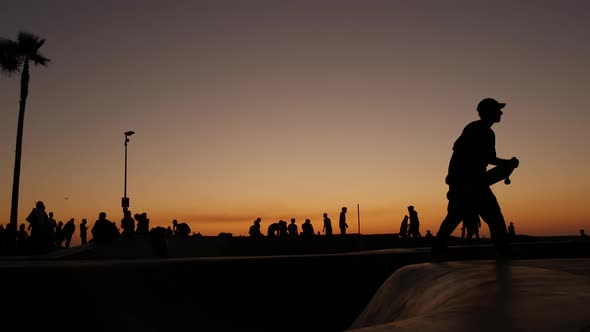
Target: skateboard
[{"x": 497, "y": 174}]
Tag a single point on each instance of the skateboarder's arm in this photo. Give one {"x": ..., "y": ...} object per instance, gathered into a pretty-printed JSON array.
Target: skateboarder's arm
[{"x": 512, "y": 162}]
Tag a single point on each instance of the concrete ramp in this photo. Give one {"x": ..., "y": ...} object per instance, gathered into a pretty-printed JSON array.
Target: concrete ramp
[{"x": 533, "y": 295}]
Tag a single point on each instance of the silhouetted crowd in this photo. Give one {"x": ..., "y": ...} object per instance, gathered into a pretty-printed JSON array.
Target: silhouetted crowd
[
  {"x": 44, "y": 233},
  {"x": 281, "y": 229}
]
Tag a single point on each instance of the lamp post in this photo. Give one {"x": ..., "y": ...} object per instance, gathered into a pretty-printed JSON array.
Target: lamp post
[{"x": 125, "y": 199}]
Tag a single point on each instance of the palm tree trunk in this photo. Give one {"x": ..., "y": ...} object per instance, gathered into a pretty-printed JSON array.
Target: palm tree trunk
[{"x": 24, "y": 92}]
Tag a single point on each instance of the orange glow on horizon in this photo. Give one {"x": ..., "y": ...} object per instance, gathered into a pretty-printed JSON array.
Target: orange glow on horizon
[{"x": 276, "y": 110}]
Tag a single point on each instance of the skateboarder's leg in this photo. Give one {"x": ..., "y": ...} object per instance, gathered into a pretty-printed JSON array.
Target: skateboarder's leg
[
  {"x": 492, "y": 215},
  {"x": 458, "y": 204}
]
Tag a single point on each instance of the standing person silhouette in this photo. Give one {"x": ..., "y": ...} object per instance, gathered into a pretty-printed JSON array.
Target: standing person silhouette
[
  {"x": 52, "y": 228},
  {"x": 327, "y": 225},
  {"x": 84, "y": 231},
  {"x": 342, "y": 222},
  {"x": 22, "y": 236},
  {"x": 292, "y": 228},
  {"x": 127, "y": 224},
  {"x": 68, "y": 231},
  {"x": 103, "y": 231},
  {"x": 472, "y": 225},
  {"x": 403, "y": 228},
  {"x": 511, "y": 231},
  {"x": 414, "y": 227},
  {"x": 469, "y": 193},
  {"x": 39, "y": 220}
]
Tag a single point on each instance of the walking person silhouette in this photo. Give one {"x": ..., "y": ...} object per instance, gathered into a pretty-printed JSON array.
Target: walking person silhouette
[
  {"x": 342, "y": 222},
  {"x": 469, "y": 190}
]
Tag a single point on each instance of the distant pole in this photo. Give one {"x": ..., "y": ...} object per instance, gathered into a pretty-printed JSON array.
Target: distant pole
[
  {"x": 125, "y": 199},
  {"x": 125, "y": 179},
  {"x": 358, "y": 215}
]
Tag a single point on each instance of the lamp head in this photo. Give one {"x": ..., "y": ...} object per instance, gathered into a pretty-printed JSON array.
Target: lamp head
[{"x": 129, "y": 133}]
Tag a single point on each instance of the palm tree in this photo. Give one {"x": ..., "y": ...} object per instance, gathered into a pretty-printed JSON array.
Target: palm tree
[{"x": 15, "y": 57}]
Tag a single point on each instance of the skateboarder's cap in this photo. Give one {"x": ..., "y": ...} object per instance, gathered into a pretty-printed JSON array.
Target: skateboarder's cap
[{"x": 489, "y": 104}]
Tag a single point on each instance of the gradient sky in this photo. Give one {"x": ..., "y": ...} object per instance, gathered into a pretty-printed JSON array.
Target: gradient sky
[{"x": 281, "y": 109}]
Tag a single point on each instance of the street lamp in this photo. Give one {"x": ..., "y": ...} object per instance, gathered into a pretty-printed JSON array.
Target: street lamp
[{"x": 125, "y": 199}]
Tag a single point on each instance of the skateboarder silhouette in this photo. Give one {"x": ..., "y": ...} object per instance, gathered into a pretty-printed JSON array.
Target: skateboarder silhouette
[{"x": 469, "y": 184}]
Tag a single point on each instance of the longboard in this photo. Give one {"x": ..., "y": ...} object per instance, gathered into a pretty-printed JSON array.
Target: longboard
[{"x": 497, "y": 174}]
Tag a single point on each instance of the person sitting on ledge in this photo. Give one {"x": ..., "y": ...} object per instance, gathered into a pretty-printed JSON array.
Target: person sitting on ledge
[
  {"x": 180, "y": 229},
  {"x": 307, "y": 229},
  {"x": 254, "y": 230}
]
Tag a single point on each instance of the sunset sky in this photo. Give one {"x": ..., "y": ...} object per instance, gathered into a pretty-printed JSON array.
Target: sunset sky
[{"x": 289, "y": 109}]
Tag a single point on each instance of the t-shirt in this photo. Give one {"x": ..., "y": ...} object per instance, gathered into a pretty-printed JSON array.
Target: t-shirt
[{"x": 473, "y": 151}]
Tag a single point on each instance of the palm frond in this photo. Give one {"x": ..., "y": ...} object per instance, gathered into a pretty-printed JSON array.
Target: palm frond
[
  {"x": 10, "y": 61},
  {"x": 14, "y": 53},
  {"x": 39, "y": 59},
  {"x": 29, "y": 44}
]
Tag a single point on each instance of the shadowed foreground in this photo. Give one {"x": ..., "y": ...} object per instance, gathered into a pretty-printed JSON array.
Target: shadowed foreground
[
  {"x": 286, "y": 293},
  {"x": 322, "y": 292},
  {"x": 541, "y": 295}
]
